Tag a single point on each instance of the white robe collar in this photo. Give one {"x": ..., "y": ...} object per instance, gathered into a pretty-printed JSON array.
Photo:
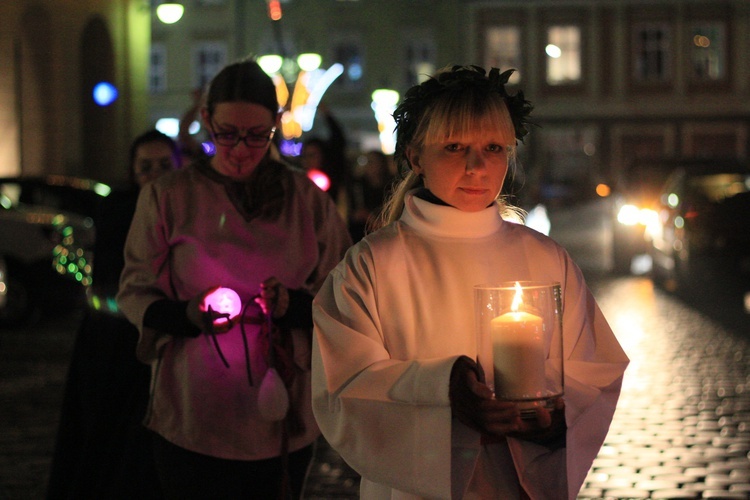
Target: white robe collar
[{"x": 450, "y": 222}]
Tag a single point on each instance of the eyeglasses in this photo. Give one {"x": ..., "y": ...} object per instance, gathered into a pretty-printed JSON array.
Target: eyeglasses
[{"x": 231, "y": 139}]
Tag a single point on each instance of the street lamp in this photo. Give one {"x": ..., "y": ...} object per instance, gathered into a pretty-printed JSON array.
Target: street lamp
[{"x": 170, "y": 12}]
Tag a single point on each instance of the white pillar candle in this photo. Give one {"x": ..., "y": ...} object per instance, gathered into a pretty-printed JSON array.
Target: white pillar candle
[{"x": 518, "y": 355}]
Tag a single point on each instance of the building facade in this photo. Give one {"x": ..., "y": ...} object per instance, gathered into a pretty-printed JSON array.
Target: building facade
[
  {"x": 613, "y": 81},
  {"x": 53, "y": 53}
]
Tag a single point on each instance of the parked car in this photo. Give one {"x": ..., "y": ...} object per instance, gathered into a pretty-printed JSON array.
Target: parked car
[
  {"x": 46, "y": 239},
  {"x": 701, "y": 238}
]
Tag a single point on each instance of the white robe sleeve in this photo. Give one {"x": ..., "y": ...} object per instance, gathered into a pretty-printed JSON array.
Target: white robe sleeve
[{"x": 369, "y": 405}]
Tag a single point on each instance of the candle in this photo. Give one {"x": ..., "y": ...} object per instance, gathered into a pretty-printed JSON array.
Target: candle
[{"x": 518, "y": 352}]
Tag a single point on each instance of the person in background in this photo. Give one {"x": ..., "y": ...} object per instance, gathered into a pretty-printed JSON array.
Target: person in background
[
  {"x": 102, "y": 448},
  {"x": 190, "y": 146},
  {"x": 230, "y": 404},
  {"x": 328, "y": 156},
  {"x": 368, "y": 191},
  {"x": 396, "y": 389}
]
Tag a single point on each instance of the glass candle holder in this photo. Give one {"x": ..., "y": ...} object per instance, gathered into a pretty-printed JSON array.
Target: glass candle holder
[{"x": 519, "y": 337}]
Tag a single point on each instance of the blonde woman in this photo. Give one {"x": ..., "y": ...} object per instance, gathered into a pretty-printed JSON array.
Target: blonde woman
[{"x": 395, "y": 387}]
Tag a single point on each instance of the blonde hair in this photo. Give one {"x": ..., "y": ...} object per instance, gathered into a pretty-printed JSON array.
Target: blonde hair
[{"x": 454, "y": 115}]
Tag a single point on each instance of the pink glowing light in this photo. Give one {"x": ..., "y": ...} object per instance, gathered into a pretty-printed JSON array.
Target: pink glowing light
[
  {"x": 319, "y": 178},
  {"x": 224, "y": 301}
]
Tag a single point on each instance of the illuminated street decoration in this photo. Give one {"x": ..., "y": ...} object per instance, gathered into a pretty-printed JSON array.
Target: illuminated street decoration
[
  {"x": 310, "y": 84},
  {"x": 384, "y": 104}
]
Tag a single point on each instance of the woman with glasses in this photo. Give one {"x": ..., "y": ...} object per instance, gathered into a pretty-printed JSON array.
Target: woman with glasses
[{"x": 230, "y": 390}]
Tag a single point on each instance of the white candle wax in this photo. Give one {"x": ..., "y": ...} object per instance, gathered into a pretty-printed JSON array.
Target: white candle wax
[{"x": 518, "y": 355}]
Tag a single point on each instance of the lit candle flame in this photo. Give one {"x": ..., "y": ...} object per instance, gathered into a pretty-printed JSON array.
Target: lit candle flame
[{"x": 517, "y": 298}]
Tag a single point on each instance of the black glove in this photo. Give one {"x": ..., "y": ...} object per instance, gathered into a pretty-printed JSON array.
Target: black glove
[
  {"x": 170, "y": 316},
  {"x": 465, "y": 403}
]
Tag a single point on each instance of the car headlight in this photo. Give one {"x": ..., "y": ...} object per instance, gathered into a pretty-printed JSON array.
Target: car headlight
[{"x": 628, "y": 215}]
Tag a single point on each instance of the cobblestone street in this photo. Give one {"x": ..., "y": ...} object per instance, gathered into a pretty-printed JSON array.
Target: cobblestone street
[{"x": 681, "y": 431}]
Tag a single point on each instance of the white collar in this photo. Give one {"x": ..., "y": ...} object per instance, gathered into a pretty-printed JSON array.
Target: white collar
[{"x": 449, "y": 222}]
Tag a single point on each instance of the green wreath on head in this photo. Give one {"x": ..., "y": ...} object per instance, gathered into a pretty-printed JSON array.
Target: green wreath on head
[{"x": 408, "y": 114}]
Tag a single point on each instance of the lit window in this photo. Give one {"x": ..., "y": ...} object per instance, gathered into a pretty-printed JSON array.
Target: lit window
[
  {"x": 563, "y": 54},
  {"x": 708, "y": 51},
  {"x": 651, "y": 52},
  {"x": 502, "y": 49},
  {"x": 157, "y": 69},
  {"x": 208, "y": 59}
]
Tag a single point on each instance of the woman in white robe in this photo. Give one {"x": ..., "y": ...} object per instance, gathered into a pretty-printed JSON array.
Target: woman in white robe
[{"x": 395, "y": 389}]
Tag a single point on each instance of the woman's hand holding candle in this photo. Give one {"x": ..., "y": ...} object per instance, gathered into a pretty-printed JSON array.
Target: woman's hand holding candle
[{"x": 474, "y": 405}]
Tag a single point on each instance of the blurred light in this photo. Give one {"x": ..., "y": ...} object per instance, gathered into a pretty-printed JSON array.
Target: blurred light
[
  {"x": 104, "y": 93},
  {"x": 290, "y": 148},
  {"x": 603, "y": 190},
  {"x": 385, "y": 97},
  {"x": 309, "y": 61},
  {"x": 648, "y": 218},
  {"x": 274, "y": 10},
  {"x": 553, "y": 51},
  {"x": 628, "y": 215},
  {"x": 270, "y": 63},
  {"x": 538, "y": 219},
  {"x": 589, "y": 149},
  {"x": 319, "y": 178},
  {"x": 679, "y": 222},
  {"x": 168, "y": 126},
  {"x": 102, "y": 189},
  {"x": 673, "y": 200},
  {"x": 747, "y": 302},
  {"x": 194, "y": 127},
  {"x": 384, "y": 104},
  {"x": 170, "y": 12},
  {"x": 701, "y": 41},
  {"x": 310, "y": 83},
  {"x": 354, "y": 71},
  {"x": 224, "y": 301},
  {"x": 208, "y": 148},
  {"x": 641, "y": 264}
]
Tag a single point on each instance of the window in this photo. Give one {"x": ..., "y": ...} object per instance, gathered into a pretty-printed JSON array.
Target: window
[
  {"x": 708, "y": 51},
  {"x": 563, "y": 54},
  {"x": 503, "y": 49},
  {"x": 348, "y": 52},
  {"x": 157, "y": 69},
  {"x": 652, "y": 61},
  {"x": 208, "y": 59},
  {"x": 420, "y": 59}
]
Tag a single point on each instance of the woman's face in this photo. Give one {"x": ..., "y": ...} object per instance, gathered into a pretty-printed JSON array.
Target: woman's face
[
  {"x": 152, "y": 159},
  {"x": 467, "y": 172},
  {"x": 241, "y": 133}
]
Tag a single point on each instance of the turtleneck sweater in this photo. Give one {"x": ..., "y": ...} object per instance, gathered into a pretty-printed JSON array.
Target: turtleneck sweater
[{"x": 390, "y": 321}]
